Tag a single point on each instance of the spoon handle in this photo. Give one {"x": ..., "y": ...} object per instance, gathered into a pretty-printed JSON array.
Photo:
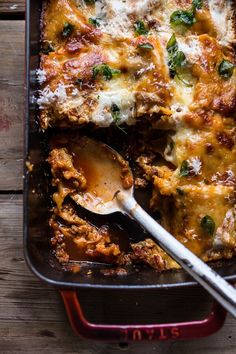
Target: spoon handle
[{"x": 220, "y": 289}]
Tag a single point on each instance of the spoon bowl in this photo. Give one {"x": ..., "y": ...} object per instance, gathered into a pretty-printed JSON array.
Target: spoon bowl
[{"x": 107, "y": 174}]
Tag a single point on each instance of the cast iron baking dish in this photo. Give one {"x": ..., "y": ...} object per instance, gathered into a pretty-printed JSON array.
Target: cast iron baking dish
[{"x": 36, "y": 241}]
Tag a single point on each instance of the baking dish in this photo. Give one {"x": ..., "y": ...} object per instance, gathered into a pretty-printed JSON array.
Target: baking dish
[{"x": 37, "y": 249}]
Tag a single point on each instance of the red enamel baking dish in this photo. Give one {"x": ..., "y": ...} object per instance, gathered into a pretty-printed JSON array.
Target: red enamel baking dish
[{"x": 45, "y": 266}]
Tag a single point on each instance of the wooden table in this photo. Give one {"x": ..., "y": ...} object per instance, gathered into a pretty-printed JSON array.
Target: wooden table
[{"x": 32, "y": 317}]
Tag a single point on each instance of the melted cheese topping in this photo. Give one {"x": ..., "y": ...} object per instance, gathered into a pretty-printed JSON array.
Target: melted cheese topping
[
  {"x": 222, "y": 14},
  {"x": 143, "y": 72}
]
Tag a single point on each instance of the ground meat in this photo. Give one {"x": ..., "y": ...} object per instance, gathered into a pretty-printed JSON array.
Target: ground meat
[
  {"x": 150, "y": 253},
  {"x": 70, "y": 231},
  {"x": 62, "y": 168}
]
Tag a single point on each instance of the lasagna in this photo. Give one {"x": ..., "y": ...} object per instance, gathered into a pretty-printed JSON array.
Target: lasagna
[{"x": 156, "y": 80}]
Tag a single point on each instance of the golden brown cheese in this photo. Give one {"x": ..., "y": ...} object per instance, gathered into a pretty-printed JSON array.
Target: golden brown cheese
[
  {"x": 118, "y": 62},
  {"x": 86, "y": 35},
  {"x": 131, "y": 72}
]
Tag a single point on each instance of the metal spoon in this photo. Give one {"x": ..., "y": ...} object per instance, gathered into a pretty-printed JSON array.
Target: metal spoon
[{"x": 110, "y": 189}]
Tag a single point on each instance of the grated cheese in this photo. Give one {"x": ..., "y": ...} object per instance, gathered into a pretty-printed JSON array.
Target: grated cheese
[
  {"x": 41, "y": 76},
  {"x": 191, "y": 48},
  {"x": 48, "y": 97},
  {"x": 195, "y": 165},
  {"x": 148, "y": 68},
  {"x": 75, "y": 92}
]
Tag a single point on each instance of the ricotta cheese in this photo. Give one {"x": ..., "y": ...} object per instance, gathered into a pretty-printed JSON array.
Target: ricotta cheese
[
  {"x": 222, "y": 14},
  {"x": 114, "y": 16},
  {"x": 191, "y": 47},
  {"x": 123, "y": 99}
]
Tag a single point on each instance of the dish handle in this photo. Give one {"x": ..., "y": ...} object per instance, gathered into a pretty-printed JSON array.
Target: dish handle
[{"x": 134, "y": 332}]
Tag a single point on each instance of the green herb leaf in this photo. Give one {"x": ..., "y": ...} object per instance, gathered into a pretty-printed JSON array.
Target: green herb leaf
[
  {"x": 208, "y": 225},
  {"x": 47, "y": 48},
  {"x": 182, "y": 18},
  {"x": 94, "y": 22},
  {"x": 140, "y": 28},
  {"x": 226, "y": 69},
  {"x": 197, "y": 4},
  {"x": 186, "y": 18},
  {"x": 177, "y": 61},
  {"x": 67, "y": 30},
  {"x": 184, "y": 169},
  {"x": 177, "y": 58},
  {"x": 115, "y": 112},
  {"x": 183, "y": 80},
  {"x": 172, "y": 45},
  {"x": 105, "y": 70},
  {"x": 148, "y": 46},
  {"x": 180, "y": 191},
  {"x": 90, "y": 2},
  {"x": 79, "y": 82}
]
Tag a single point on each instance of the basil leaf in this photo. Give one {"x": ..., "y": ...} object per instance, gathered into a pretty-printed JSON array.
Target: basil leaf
[
  {"x": 176, "y": 61},
  {"x": 94, "y": 22},
  {"x": 172, "y": 45},
  {"x": 208, "y": 225},
  {"x": 140, "y": 28},
  {"x": 115, "y": 112},
  {"x": 182, "y": 18},
  {"x": 148, "y": 46},
  {"x": 181, "y": 77},
  {"x": 177, "y": 58},
  {"x": 226, "y": 69},
  {"x": 197, "y": 4},
  {"x": 47, "y": 48},
  {"x": 184, "y": 169},
  {"x": 180, "y": 191},
  {"x": 67, "y": 30},
  {"x": 90, "y": 2},
  {"x": 105, "y": 70},
  {"x": 110, "y": 73},
  {"x": 96, "y": 70},
  {"x": 79, "y": 82}
]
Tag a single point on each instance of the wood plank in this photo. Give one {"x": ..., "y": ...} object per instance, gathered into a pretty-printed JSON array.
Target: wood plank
[
  {"x": 12, "y": 6},
  {"x": 11, "y": 103},
  {"x": 33, "y": 320}
]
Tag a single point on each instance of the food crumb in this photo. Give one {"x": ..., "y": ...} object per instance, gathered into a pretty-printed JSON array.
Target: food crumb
[
  {"x": 116, "y": 271},
  {"x": 13, "y": 7},
  {"x": 29, "y": 166}
]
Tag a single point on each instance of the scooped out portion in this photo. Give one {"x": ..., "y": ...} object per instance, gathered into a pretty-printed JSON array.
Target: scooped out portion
[{"x": 90, "y": 173}]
